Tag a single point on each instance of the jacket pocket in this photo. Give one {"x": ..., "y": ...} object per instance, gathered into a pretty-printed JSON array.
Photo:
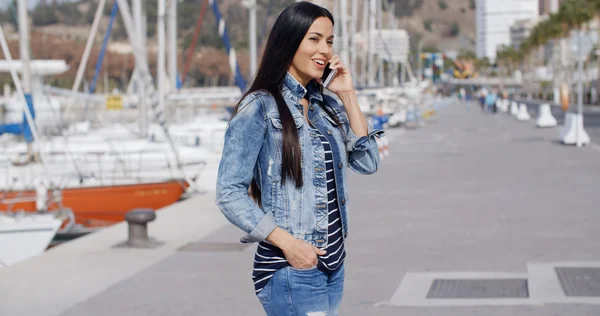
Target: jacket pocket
[{"x": 276, "y": 121}]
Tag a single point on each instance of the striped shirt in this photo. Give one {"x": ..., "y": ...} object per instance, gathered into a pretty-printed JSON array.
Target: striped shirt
[{"x": 268, "y": 258}]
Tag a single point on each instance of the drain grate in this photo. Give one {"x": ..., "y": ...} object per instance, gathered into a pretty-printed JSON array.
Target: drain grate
[
  {"x": 580, "y": 281},
  {"x": 478, "y": 288},
  {"x": 214, "y": 246}
]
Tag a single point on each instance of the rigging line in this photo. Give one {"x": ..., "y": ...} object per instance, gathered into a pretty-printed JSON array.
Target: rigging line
[
  {"x": 24, "y": 103},
  {"x": 192, "y": 48}
]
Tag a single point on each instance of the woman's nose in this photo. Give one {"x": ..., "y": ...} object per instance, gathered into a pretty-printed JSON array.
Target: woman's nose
[{"x": 324, "y": 48}]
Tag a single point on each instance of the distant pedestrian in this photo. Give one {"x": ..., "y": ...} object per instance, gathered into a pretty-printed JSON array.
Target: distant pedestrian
[
  {"x": 462, "y": 95},
  {"x": 490, "y": 101},
  {"x": 282, "y": 176}
]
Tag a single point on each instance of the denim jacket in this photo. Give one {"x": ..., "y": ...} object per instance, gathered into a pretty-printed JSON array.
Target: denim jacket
[{"x": 253, "y": 148}]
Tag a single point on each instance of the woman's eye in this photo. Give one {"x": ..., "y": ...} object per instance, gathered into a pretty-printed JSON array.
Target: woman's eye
[
  {"x": 330, "y": 42},
  {"x": 314, "y": 39}
]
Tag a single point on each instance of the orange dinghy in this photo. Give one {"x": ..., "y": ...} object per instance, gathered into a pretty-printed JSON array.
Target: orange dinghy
[{"x": 101, "y": 205}]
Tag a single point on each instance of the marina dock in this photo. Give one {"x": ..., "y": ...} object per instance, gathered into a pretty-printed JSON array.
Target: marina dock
[{"x": 468, "y": 194}]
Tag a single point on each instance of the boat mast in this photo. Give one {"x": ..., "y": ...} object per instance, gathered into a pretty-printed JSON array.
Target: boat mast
[
  {"x": 253, "y": 41},
  {"x": 88, "y": 45},
  {"x": 345, "y": 55},
  {"x": 380, "y": 68},
  {"x": 172, "y": 38},
  {"x": 371, "y": 32},
  {"x": 146, "y": 77},
  {"x": 160, "y": 64},
  {"x": 141, "y": 89},
  {"x": 364, "y": 75},
  {"x": 25, "y": 102},
  {"x": 24, "y": 56},
  {"x": 353, "y": 46}
]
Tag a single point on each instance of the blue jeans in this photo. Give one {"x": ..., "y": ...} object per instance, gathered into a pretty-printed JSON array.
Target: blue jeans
[{"x": 303, "y": 292}]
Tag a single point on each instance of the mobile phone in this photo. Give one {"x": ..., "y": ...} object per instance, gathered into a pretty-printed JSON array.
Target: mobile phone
[{"x": 328, "y": 76}]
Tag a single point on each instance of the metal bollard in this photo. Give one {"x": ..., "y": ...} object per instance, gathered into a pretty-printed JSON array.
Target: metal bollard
[{"x": 137, "y": 222}]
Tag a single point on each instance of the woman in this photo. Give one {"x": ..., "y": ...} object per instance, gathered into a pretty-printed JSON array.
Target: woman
[{"x": 289, "y": 144}]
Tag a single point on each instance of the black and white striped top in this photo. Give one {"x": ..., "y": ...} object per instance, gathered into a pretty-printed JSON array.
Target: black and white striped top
[{"x": 268, "y": 258}]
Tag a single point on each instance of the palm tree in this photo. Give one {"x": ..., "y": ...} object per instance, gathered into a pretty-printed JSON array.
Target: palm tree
[
  {"x": 508, "y": 57},
  {"x": 575, "y": 14}
]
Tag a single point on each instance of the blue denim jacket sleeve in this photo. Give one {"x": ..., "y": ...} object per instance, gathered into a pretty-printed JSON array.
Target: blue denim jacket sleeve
[
  {"x": 243, "y": 141},
  {"x": 363, "y": 154}
]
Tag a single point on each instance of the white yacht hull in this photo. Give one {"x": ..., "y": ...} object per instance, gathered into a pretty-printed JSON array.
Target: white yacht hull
[{"x": 26, "y": 236}]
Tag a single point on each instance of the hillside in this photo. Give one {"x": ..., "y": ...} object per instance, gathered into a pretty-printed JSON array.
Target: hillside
[
  {"x": 433, "y": 20},
  {"x": 440, "y": 24}
]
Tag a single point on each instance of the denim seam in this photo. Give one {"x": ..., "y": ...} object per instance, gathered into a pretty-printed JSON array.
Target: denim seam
[{"x": 287, "y": 286}]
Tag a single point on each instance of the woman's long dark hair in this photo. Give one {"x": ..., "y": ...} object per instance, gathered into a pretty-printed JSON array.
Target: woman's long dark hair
[{"x": 286, "y": 35}]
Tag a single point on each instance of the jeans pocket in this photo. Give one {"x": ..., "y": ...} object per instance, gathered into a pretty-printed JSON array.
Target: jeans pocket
[
  {"x": 264, "y": 296},
  {"x": 303, "y": 269}
]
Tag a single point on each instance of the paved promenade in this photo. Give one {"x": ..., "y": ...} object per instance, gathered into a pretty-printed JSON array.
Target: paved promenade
[{"x": 469, "y": 194}]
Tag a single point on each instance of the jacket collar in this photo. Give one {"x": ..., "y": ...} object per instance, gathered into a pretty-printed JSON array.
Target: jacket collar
[{"x": 297, "y": 91}]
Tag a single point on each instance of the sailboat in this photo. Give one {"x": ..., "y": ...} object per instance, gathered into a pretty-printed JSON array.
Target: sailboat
[
  {"x": 24, "y": 235},
  {"x": 98, "y": 182}
]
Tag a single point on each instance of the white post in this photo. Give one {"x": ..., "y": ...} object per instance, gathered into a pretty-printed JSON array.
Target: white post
[
  {"x": 88, "y": 45},
  {"x": 173, "y": 44},
  {"x": 160, "y": 64},
  {"x": 253, "y": 40}
]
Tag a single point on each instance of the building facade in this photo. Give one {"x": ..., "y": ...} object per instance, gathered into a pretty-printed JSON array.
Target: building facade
[
  {"x": 494, "y": 19},
  {"x": 550, "y": 6},
  {"x": 521, "y": 30}
]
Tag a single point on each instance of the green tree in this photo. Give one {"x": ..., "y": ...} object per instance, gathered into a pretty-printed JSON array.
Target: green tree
[
  {"x": 442, "y": 4},
  {"x": 44, "y": 15},
  {"x": 454, "y": 29},
  {"x": 427, "y": 25},
  {"x": 406, "y": 7},
  {"x": 466, "y": 54},
  {"x": 482, "y": 63}
]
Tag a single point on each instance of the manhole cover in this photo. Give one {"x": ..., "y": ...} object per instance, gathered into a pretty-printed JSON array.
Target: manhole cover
[
  {"x": 579, "y": 281},
  {"x": 479, "y": 288},
  {"x": 214, "y": 246}
]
